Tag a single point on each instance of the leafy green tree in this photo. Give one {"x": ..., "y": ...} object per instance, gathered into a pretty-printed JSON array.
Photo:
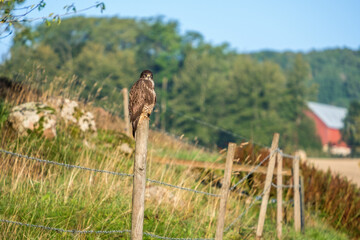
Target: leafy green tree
[
  {"x": 351, "y": 131},
  {"x": 197, "y": 89},
  {"x": 210, "y": 88},
  {"x": 14, "y": 20}
]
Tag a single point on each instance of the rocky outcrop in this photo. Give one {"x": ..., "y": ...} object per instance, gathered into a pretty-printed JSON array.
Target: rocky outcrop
[
  {"x": 33, "y": 117},
  {"x": 86, "y": 122},
  {"x": 71, "y": 112}
]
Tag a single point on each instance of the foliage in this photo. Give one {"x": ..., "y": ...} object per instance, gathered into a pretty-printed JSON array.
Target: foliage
[
  {"x": 13, "y": 15},
  {"x": 351, "y": 131},
  {"x": 335, "y": 197},
  {"x": 332, "y": 197},
  {"x": 335, "y": 72},
  {"x": 206, "y": 83}
]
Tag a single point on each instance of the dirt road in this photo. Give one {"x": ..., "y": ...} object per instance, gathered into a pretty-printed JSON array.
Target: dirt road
[{"x": 347, "y": 167}]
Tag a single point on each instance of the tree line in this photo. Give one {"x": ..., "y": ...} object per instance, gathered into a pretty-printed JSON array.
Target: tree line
[{"x": 252, "y": 95}]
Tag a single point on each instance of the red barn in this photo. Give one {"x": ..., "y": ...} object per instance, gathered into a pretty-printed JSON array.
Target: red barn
[{"x": 329, "y": 121}]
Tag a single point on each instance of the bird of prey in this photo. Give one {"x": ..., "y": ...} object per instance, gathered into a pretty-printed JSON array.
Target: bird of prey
[{"x": 142, "y": 99}]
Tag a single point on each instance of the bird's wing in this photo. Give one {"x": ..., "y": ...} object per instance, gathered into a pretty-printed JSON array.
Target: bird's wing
[{"x": 136, "y": 100}]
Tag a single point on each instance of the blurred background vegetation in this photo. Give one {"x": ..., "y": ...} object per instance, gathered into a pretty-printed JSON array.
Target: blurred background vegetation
[{"x": 253, "y": 95}]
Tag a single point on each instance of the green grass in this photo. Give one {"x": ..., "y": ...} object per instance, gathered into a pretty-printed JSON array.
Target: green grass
[
  {"x": 65, "y": 198},
  {"x": 186, "y": 154}
]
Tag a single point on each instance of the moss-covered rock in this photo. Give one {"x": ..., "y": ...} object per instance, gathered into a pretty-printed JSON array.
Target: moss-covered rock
[{"x": 33, "y": 117}]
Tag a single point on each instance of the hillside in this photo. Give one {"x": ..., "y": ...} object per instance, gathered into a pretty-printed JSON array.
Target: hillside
[{"x": 66, "y": 198}]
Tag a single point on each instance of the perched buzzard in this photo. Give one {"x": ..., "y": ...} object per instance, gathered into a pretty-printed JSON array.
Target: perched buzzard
[{"x": 142, "y": 99}]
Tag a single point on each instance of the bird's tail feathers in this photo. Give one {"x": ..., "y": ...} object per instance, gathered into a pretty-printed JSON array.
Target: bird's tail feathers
[{"x": 134, "y": 125}]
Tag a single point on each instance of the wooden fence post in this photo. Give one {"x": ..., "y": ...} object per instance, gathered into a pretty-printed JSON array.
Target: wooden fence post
[
  {"x": 126, "y": 111},
  {"x": 297, "y": 216},
  {"x": 269, "y": 176},
  {"x": 225, "y": 191},
  {"x": 138, "y": 196},
  {"x": 279, "y": 189}
]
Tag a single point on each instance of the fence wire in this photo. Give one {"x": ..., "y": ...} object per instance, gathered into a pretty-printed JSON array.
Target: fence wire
[
  {"x": 183, "y": 188},
  {"x": 63, "y": 230},
  {"x": 73, "y": 231},
  {"x": 288, "y": 155},
  {"x": 251, "y": 172},
  {"x": 105, "y": 171},
  {"x": 246, "y": 210},
  {"x": 282, "y": 186},
  {"x": 66, "y": 165},
  {"x": 216, "y": 127}
]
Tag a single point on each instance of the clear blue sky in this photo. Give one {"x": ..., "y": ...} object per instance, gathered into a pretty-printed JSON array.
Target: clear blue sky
[{"x": 246, "y": 25}]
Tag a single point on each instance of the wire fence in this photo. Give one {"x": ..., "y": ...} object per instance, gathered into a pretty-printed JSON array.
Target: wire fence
[
  {"x": 238, "y": 136},
  {"x": 245, "y": 211},
  {"x": 73, "y": 231},
  {"x": 104, "y": 171},
  {"x": 100, "y": 171},
  {"x": 213, "y": 126},
  {"x": 251, "y": 172},
  {"x": 149, "y": 180}
]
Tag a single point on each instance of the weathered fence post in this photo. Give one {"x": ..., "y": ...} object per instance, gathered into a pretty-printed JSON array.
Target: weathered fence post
[
  {"x": 297, "y": 216},
  {"x": 268, "y": 180},
  {"x": 225, "y": 191},
  {"x": 279, "y": 183},
  {"x": 138, "y": 196},
  {"x": 126, "y": 111}
]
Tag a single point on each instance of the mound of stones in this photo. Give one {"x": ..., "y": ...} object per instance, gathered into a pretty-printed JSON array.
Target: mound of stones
[{"x": 43, "y": 117}]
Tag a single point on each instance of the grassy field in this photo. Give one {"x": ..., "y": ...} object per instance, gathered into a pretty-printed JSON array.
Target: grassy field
[{"x": 59, "y": 197}]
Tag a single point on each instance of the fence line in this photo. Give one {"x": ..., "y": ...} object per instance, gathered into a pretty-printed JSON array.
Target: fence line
[
  {"x": 183, "y": 188},
  {"x": 63, "y": 230},
  {"x": 73, "y": 231},
  {"x": 251, "y": 172},
  {"x": 65, "y": 164},
  {"x": 150, "y": 180},
  {"x": 216, "y": 127},
  {"x": 105, "y": 171},
  {"x": 226, "y": 131},
  {"x": 211, "y": 126},
  {"x": 131, "y": 175},
  {"x": 246, "y": 210}
]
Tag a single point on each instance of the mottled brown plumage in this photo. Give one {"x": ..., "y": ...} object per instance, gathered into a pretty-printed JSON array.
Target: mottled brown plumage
[{"x": 142, "y": 99}]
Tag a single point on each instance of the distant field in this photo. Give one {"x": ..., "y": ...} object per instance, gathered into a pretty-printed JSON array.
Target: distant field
[{"x": 348, "y": 167}]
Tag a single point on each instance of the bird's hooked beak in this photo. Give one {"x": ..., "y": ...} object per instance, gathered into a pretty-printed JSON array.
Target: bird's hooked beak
[{"x": 148, "y": 76}]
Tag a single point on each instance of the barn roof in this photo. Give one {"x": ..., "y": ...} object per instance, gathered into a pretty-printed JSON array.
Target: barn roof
[{"x": 332, "y": 116}]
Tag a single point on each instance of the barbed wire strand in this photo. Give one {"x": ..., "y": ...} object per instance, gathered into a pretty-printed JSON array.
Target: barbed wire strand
[
  {"x": 251, "y": 172},
  {"x": 225, "y": 131},
  {"x": 216, "y": 128},
  {"x": 104, "y": 171},
  {"x": 73, "y": 231},
  {"x": 282, "y": 186},
  {"x": 288, "y": 155},
  {"x": 66, "y": 165},
  {"x": 246, "y": 210},
  {"x": 183, "y": 188},
  {"x": 170, "y": 238},
  {"x": 63, "y": 230},
  {"x": 211, "y": 126}
]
